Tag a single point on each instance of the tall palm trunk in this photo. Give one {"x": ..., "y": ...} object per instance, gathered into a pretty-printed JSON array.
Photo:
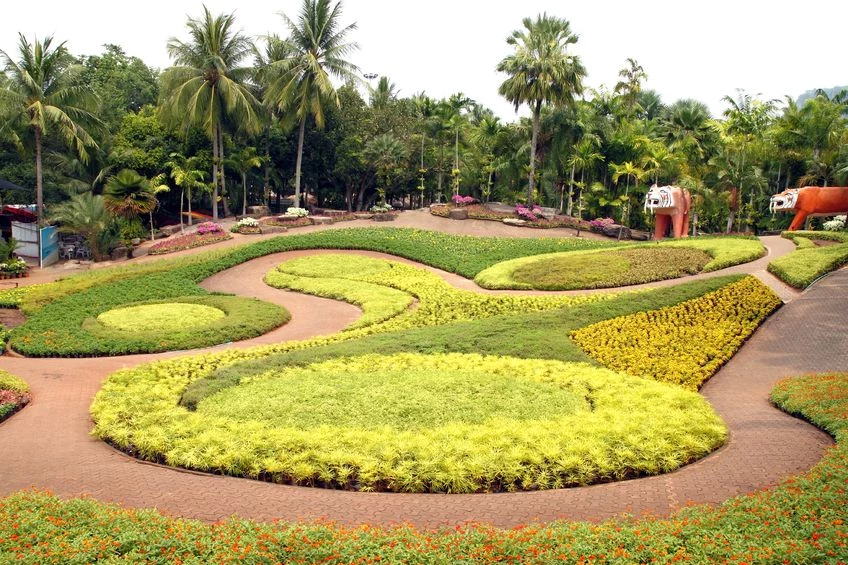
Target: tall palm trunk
[
  {"x": 298, "y": 163},
  {"x": 266, "y": 188},
  {"x": 39, "y": 189},
  {"x": 456, "y": 160},
  {"x": 214, "y": 179},
  {"x": 224, "y": 199},
  {"x": 570, "y": 206},
  {"x": 188, "y": 199},
  {"x": 244, "y": 193},
  {"x": 531, "y": 185},
  {"x": 182, "y": 203}
]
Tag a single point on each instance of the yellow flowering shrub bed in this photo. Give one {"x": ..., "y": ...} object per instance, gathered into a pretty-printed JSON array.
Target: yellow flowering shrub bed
[
  {"x": 684, "y": 344},
  {"x": 586, "y": 424}
]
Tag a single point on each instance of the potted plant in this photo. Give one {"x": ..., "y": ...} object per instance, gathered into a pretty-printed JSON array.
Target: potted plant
[
  {"x": 247, "y": 225},
  {"x": 383, "y": 213}
]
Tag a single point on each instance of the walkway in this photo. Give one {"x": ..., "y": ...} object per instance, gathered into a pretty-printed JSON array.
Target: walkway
[{"x": 47, "y": 445}]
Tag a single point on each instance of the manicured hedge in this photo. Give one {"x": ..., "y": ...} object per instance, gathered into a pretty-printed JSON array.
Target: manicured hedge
[
  {"x": 809, "y": 262},
  {"x": 801, "y": 520}
]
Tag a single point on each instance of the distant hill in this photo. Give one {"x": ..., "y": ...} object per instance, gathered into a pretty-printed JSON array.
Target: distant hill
[{"x": 831, "y": 92}]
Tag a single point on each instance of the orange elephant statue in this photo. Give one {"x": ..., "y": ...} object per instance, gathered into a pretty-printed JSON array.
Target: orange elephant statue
[
  {"x": 671, "y": 204},
  {"x": 810, "y": 201}
]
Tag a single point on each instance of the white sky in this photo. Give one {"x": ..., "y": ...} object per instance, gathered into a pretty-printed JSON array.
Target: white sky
[{"x": 701, "y": 50}]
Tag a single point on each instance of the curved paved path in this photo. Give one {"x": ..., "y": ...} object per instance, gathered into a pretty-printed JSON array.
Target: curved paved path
[{"x": 47, "y": 444}]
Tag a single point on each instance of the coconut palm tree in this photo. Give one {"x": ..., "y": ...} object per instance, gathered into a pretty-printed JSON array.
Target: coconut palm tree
[
  {"x": 384, "y": 94},
  {"x": 300, "y": 84},
  {"x": 206, "y": 87},
  {"x": 541, "y": 72},
  {"x": 41, "y": 93},
  {"x": 128, "y": 194},
  {"x": 242, "y": 162}
]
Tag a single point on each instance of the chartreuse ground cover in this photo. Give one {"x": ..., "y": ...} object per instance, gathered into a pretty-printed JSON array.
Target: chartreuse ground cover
[
  {"x": 809, "y": 262},
  {"x": 801, "y": 520},
  {"x": 57, "y": 311},
  {"x": 625, "y": 265}
]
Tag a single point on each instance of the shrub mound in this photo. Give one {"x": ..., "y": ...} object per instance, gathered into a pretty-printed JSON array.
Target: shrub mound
[
  {"x": 624, "y": 264},
  {"x": 611, "y": 268},
  {"x": 809, "y": 262},
  {"x": 14, "y": 394},
  {"x": 409, "y": 440},
  {"x": 801, "y": 520},
  {"x": 167, "y": 316},
  {"x": 186, "y": 322},
  {"x": 684, "y": 344}
]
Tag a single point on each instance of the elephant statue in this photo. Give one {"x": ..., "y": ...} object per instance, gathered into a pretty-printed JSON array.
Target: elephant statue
[{"x": 671, "y": 204}]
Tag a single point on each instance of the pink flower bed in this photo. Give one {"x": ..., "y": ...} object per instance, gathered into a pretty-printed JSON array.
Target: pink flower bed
[{"x": 188, "y": 241}]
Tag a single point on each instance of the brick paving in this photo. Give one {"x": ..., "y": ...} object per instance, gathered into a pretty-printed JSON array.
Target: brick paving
[{"x": 47, "y": 445}]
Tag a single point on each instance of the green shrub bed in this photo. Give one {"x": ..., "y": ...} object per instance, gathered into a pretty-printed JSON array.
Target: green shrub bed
[
  {"x": 801, "y": 520},
  {"x": 684, "y": 344},
  {"x": 624, "y": 265},
  {"x": 14, "y": 394},
  {"x": 810, "y": 262},
  {"x": 615, "y": 268},
  {"x": 56, "y": 311},
  {"x": 185, "y": 322}
]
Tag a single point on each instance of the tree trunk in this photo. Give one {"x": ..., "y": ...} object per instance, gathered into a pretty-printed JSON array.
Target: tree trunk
[
  {"x": 223, "y": 174},
  {"x": 570, "y": 206},
  {"x": 298, "y": 163},
  {"x": 531, "y": 184},
  {"x": 580, "y": 198},
  {"x": 152, "y": 234},
  {"x": 266, "y": 189},
  {"x": 39, "y": 187},
  {"x": 182, "y": 202},
  {"x": 188, "y": 194},
  {"x": 214, "y": 179},
  {"x": 244, "y": 194}
]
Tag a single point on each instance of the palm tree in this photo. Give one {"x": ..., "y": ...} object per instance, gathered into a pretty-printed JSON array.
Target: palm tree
[
  {"x": 128, "y": 194},
  {"x": 627, "y": 170},
  {"x": 86, "y": 214},
  {"x": 300, "y": 84},
  {"x": 242, "y": 162},
  {"x": 385, "y": 93},
  {"x": 386, "y": 154},
  {"x": 187, "y": 176},
  {"x": 42, "y": 94},
  {"x": 206, "y": 88},
  {"x": 541, "y": 72}
]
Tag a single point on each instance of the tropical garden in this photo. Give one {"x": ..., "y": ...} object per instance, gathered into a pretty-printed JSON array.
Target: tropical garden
[
  {"x": 432, "y": 389},
  {"x": 287, "y": 120}
]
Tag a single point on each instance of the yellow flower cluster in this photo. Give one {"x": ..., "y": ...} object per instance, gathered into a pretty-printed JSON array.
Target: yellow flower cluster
[{"x": 683, "y": 344}]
